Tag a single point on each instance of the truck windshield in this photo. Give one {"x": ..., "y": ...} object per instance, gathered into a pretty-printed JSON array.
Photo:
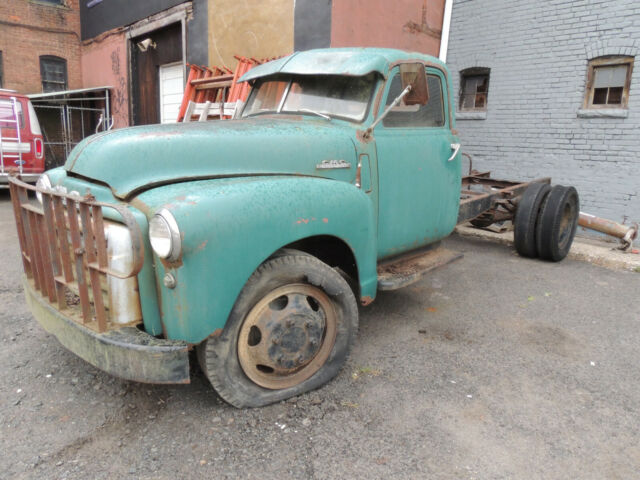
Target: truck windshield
[{"x": 331, "y": 95}]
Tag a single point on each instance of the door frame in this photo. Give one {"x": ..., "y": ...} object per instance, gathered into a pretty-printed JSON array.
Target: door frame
[{"x": 176, "y": 14}]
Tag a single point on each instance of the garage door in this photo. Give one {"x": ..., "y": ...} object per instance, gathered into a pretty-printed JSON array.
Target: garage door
[{"x": 171, "y": 90}]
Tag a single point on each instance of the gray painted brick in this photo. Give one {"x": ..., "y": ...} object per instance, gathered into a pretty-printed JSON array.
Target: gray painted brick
[{"x": 538, "y": 54}]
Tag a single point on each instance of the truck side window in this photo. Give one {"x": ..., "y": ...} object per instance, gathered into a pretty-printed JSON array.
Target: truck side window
[{"x": 429, "y": 115}]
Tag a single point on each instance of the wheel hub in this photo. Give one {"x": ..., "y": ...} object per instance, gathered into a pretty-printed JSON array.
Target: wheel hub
[{"x": 287, "y": 336}]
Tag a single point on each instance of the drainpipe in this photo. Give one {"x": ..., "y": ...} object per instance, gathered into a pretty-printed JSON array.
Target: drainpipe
[{"x": 446, "y": 25}]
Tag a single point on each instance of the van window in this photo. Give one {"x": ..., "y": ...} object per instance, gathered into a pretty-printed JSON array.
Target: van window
[
  {"x": 33, "y": 120},
  {"x": 6, "y": 114}
]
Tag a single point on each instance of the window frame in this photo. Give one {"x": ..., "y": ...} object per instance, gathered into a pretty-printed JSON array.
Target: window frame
[
  {"x": 53, "y": 3},
  {"x": 473, "y": 72},
  {"x": 6, "y": 102},
  {"x": 289, "y": 80},
  {"x": 46, "y": 58},
  {"x": 430, "y": 71},
  {"x": 607, "y": 61}
]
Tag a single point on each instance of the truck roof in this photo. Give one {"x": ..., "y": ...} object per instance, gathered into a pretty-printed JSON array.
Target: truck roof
[{"x": 337, "y": 61}]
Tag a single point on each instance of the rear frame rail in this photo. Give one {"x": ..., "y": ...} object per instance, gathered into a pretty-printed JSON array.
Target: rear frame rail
[{"x": 492, "y": 197}]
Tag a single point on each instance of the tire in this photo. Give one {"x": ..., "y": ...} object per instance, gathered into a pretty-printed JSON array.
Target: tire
[
  {"x": 557, "y": 223},
  {"x": 524, "y": 223},
  {"x": 290, "y": 331}
]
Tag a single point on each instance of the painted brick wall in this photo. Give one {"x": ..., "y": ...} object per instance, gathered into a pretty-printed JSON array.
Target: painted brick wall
[
  {"x": 29, "y": 29},
  {"x": 538, "y": 54}
]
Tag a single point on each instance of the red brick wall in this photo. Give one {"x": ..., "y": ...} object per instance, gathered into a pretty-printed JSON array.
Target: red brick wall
[{"x": 29, "y": 29}]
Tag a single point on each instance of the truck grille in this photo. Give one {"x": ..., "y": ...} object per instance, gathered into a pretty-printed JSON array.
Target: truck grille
[{"x": 65, "y": 253}]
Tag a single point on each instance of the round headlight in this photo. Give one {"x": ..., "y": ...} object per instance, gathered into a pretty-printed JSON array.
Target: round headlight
[
  {"x": 43, "y": 182},
  {"x": 164, "y": 235}
]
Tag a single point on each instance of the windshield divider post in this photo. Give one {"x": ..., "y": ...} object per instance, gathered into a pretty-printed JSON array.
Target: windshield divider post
[{"x": 284, "y": 96}]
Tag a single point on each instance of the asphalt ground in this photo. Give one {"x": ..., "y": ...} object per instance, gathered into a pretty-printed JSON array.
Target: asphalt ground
[{"x": 493, "y": 367}]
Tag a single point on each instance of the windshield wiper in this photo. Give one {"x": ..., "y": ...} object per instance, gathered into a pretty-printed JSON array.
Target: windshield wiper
[{"x": 306, "y": 110}]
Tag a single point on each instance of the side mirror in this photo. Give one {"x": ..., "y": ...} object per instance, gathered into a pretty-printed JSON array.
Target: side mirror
[{"x": 413, "y": 74}]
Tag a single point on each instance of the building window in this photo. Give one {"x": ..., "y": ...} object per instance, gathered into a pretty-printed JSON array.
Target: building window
[
  {"x": 1, "y": 75},
  {"x": 474, "y": 89},
  {"x": 608, "y": 81},
  {"x": 53, "y": 71}
]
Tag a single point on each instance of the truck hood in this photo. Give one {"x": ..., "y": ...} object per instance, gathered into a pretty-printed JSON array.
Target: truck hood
[{"x": 132, "y": 159}]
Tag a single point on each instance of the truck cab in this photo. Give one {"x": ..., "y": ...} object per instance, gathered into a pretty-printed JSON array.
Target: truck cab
[
  {"x": 251, "y": 240},
  {"x": 21, "y": 141}
]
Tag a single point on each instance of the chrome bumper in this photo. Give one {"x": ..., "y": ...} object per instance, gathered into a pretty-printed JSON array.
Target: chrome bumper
[{"x": 126, "y": 352}]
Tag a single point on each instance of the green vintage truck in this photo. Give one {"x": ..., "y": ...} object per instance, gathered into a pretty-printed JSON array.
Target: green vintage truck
[{"x": 254, "y": 240}]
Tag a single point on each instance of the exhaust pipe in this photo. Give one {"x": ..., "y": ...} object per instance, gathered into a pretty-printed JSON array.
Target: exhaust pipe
[{"x": 626, "y": 234}]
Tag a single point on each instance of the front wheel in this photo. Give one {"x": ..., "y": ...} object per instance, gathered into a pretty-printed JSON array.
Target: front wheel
[{"x": 289, "y": 332}]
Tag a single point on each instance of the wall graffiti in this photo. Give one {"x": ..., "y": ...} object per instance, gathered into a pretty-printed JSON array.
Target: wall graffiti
[
  {"x": 104, "y": 63},
  {"x": 119, "y": 96},
  {"x": 115, "y": 61}
]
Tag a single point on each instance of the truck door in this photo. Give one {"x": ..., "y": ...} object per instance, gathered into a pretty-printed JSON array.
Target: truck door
[{"x": 419, "y": 182}]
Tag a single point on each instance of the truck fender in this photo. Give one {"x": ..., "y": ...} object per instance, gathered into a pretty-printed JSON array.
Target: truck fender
[{"x": 230, "y": 226}]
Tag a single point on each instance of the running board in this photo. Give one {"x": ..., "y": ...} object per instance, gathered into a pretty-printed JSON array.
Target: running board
[{"x": 410, "y": 268}]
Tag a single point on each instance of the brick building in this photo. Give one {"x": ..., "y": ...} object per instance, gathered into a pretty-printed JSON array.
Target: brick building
[
  {"x": 550, "y": 88},
  {"x": 40, "y": 45}
]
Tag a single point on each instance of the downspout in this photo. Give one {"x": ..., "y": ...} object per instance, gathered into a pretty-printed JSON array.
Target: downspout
[
  {"x": 446, "y": 25},
  {"x": 183, "y": 26}
]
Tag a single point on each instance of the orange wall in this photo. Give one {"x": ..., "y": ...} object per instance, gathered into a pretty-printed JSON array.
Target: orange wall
[
  {"x": 384, "y": 23},
  {"x": 104, "y": 64}
]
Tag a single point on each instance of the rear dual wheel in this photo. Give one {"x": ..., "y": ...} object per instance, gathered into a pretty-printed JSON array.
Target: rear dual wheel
[
  {"x": 526, "y": 219},
  {"x": 546, "y": 221},
  {"x": 289, "y": 332},
  {"x": 557, "y": 223}
]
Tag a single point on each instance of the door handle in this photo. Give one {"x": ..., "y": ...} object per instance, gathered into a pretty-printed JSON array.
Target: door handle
[{"x": 456, "y": 148}]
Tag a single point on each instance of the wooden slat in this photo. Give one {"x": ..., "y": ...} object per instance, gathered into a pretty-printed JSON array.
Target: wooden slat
[
  {"x": 98, "y": 301},
  {"x": 46, "y": 260},
  {"x": 99, "y": 234},
  {"x": 90, "y": 252},
  {"x": 17, "y": 212},
  {"x": 83, "y": 291},
  {"x": 34, "y": 252},
  {"x": 214, "y": 84},
  {"x": 208, "y": 79},
  {"x": 30, "y": 208},
  {"x": 61, "y": 226},
  {"x": 54, "y": 251}
]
